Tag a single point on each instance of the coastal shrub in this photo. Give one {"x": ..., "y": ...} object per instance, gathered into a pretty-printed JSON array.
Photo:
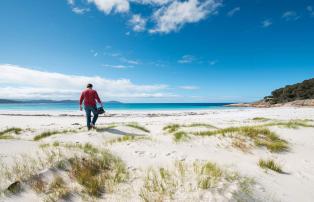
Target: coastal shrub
[
  {"x": 270, "y": 164},
  {"x": 261, "y": 136},
  {"x": 137, "y": 126},
  {"x": 299, "y": 91}
]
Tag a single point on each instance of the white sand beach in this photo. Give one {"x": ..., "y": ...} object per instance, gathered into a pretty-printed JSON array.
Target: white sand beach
[{"x": 140, "y": 140}]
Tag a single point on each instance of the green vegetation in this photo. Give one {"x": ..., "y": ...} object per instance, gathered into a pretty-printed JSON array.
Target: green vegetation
[
  {"x": 97, "y": 174},
  {"x": 98, "y": 171},
  {"x": 180, "y": 135},
  {"x": 270, "y": 164},
  {"x": 294, "y": 124},
  {"x": 171, "y": 128},
  {"x": 162, "y": 184},
  {"x": 261, "y": 119},
  {"x": 209, "y": 174},
  {"x": 299, "y": 91},
  {"x": 127, "y": 138},
  {"x": 261, "y": 136},
  {"x": 52, "y": 132},
  {"x": 7, "y": 133},
  {"x": 137, "y": 126}
]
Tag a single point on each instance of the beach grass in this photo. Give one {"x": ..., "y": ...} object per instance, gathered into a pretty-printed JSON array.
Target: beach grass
[
  {"x": 260, "y": 135},
  {"x": 270, "y": 164},
  {"x": 97, "y": 171},
  {"x": 127, "y": 138},
  {"x": 209, "y": 174},
  {"x": 52, "y": 132},
  {"x": 137, "y": 126},
  {"x": 171, "y": 128},
  {"x": 293, "y": 124},
  {"x": 57, "y": 190},
  {"x": 166, "y": 184},
  {"x": 180, "y": 136},
  {"x": 261, "y": 119},
  {"x": 7, "y": 133}
]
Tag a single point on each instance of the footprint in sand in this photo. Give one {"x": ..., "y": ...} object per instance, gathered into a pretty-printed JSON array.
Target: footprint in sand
[{"x": 140, "y": 153}]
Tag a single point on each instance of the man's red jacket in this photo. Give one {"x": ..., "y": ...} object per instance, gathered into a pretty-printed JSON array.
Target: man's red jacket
[{"x": 89, "y": 96}]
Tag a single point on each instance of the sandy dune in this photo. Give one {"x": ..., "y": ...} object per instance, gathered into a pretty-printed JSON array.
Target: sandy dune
[{"x": 143, "y": 151}]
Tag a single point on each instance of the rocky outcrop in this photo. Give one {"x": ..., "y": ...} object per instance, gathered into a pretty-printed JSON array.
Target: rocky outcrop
[{"x": 264, "y": 104}]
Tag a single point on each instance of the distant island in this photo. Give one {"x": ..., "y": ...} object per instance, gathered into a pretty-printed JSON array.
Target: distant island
[
  {"x": 299, "y": 94},
  {"x": 8, "y": 101}
]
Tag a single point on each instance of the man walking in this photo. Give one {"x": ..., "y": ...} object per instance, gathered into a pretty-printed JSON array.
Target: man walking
[{"x": 90, "y": 96}]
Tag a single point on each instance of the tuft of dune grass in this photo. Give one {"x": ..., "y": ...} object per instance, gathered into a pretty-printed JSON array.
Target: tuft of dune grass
[
  {"x": 294, "y": 124},
  {"x": 127, "y": 138},
  {"x": 180, "y": 136},
  {"x": 50, "y": 133},
  {"x": 171, "y": 128},
  {"x": 261, "y": 136},
  {"x": 261, "y": 119},
  {"x": 6, "y": 133},
  {"x": 164, "y": 184},
  {"x": 270, "y": 164},
  {"x": 97, "y": 171}
]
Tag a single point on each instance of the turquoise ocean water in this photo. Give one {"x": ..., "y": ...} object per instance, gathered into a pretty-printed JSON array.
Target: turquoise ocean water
[{"x": 72, "y": 106}]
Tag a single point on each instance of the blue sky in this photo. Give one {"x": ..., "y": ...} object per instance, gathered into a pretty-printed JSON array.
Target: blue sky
[{"x": 155, "y": 50}]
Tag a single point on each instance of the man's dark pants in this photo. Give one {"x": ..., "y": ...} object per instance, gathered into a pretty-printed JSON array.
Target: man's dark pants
[{"x": 89, "y": 110}]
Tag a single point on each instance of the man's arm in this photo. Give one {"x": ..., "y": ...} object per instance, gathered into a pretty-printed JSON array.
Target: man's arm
[
  {"x": 97, "y": 98},
  {"x": 81, "y": 100}
]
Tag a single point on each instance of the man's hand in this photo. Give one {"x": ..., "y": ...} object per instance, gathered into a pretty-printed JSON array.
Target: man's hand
[{"x": 81, "y": 108}]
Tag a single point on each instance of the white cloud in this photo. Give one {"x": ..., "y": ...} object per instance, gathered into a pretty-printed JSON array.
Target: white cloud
[
  {"x": 133, "y": 62},
  {"x": 19, "y": 82},
  {"x": 267, "y": 23},
  {"x": 71, "y": 2},
  {"x": 138, "y": 23},
  {"x": 233, "y": 11},
  {"x": 152, "y": 2},
  {"x": 80, "y": 11},
  {"x": 212, "y": 62},
  {"x": 186, "y": 59},
  {"x": 164, "y": 16},
  {"x": 189, "y": 87},
  {"x": 108, "y": 6},
  {"x": 310, "y": 10},
  {"x": 173, "y": 16},
  {"x": 117, "y": 66},
  {"x": 290, "y": 16}
]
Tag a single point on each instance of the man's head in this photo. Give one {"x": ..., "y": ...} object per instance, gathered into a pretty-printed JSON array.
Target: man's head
[{"x": 89, "y": 86}]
